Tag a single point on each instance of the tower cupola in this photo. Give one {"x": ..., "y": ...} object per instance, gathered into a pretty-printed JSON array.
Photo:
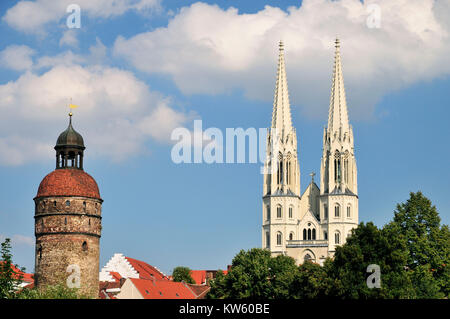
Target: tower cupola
[{"x": 69, "y": 148}]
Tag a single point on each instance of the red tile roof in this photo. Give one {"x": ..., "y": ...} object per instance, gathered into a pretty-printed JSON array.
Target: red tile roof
[
  {"x": 116, "y": 276},
  {"x": 199, "y": 276},
  {"x": 162, "y": 289},
  {"x": 25, "y": 276},
  {"x": 104, "y": 286},
  {"x": 68, "y": 182},
  {"x": 145, "y": 270},
  {"x": 199, "y": 290}
]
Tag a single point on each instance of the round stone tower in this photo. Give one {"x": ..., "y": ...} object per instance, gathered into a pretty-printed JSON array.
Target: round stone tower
[{"x": 68, "y": 221}]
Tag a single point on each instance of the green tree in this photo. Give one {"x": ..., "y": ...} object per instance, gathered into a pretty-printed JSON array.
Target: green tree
[
  {"x": 311, "y": 281},
  {"x": 182, "y": 274},
  {"x": 9, "y": 278},
  {"x": 428, "y": 244},
  {"x": 369, "y": 245},
  {"x": 60, "y": 291},
  {"x": 255, "y": 274}
]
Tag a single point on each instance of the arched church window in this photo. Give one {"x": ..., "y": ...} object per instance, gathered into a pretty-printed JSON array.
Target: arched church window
[
  {"x": 279, "y": 238},
  {"x": 314, "y": 234},
  {"x": 307, "y": 257},
  {"x": 290, "y": 212},
  {"x": 349, "y": 211},
  {"x": 325, "y": 235},
  {"x": 84, "y": 246},
  {"x": 268, "y": 212},
  {"x": 267, "y": 239},
  {"x": 337, "y": 212},
  {"x": 337, "y": 167},
  {"x": 304, "y": 234},
  {"x": 325, "y": 211},
  {"x": 279, "y": 212},
  {"x": 309, "y": 234},
  {"x": 291, "y": 236},
  {"x": 67, "y": 202},
  {"x": 337, "y": 238}
]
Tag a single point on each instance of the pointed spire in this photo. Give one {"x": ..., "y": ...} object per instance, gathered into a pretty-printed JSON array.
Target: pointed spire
[
  {"x": 338, "y": 115},
  {"x": 281, "y": 116}
]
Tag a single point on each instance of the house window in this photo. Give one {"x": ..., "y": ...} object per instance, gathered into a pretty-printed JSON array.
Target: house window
[
  {"x": 278, "y": 211},
  {"x": 337, "y": 212},
  {"x": 279, "y": 238}
]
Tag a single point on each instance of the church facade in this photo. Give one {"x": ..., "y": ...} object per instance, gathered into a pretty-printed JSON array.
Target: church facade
[{"x": 309, "y": 226}]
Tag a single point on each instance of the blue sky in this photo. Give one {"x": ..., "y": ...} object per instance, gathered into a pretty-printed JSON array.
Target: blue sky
[{"x": 141, "y": 69}]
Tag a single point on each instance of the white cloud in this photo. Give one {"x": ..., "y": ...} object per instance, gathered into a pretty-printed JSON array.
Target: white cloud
[
  {"x": 17, "y": 57},
  {"x": 117, "y": 115},
  {"x": 208, "y": 50},
  {"x": 69, "y": 38},
  {"x": 33, "y": 16},
  {"x": 67, "y": 58}
]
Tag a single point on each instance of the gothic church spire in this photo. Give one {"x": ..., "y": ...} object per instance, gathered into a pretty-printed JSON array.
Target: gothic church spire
[
  {"x": 281, "y": 116},
  {"x": 338, "y": 115}
]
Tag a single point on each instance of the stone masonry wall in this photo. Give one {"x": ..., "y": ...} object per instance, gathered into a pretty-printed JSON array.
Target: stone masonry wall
[{"x": 68, "y": 233}]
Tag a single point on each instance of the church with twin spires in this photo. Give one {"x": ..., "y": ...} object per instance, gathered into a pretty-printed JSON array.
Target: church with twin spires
[{"x": 309, "y": 225}]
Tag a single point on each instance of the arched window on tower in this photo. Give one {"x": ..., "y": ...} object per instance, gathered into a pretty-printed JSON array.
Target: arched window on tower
[
  {"x": 337, "y": 209},
  {"x": 279, "y": 215},
  {"x": 268, "y": 212},
  {"x": 267, "y": 239},
  {"x": 290, "y": 212},
  {"x": 304, "y": 234},
  {"x": 337, "y": 237},
  {"x": 349, "y": 211},
  {"x": 279, "y": 238},
  {"x": 325, "y": 211},
  {"x": 337, "y": 167},
  {"x": 291, "y": 236}
]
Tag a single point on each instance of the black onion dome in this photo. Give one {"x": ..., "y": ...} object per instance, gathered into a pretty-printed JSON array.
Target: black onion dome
[{"x": 70, "y": 137}]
